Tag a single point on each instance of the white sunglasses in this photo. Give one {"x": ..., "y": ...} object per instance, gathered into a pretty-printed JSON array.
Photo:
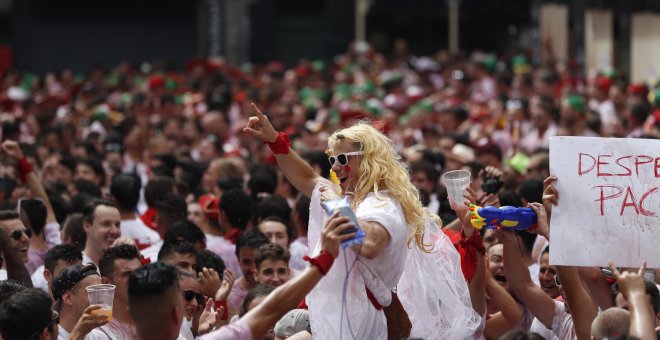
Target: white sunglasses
[{"x": 342, "y": 158}]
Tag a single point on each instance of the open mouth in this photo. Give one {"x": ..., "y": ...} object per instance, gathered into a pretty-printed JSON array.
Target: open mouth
[{"x": 500, "y": 278}]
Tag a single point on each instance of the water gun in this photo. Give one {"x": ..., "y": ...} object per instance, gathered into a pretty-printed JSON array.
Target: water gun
[{"x": 508, "y": 217}]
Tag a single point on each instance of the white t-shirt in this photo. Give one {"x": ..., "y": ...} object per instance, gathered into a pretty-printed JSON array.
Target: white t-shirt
[
  {"x": 62, "y": 334},
  {"x": 325, "y": 300},
  {"x": 3, "y": 274},
  {"x": 151, "y": 252},
  {"x": 238, "y": 330},
  {"x": 38, "y": 279},
  {"x": 112, "y": 330},
  {"x": 562, "y": 323},
  {"x": 539, "y": 327},
  {"x": 136, "y": 230},
  {"x": 186, "y": 330},
  {"x": 298, "y": 250}
]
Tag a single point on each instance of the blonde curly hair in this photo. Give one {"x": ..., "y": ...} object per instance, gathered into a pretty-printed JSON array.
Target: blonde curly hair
[{"x": 382, "y": 169}]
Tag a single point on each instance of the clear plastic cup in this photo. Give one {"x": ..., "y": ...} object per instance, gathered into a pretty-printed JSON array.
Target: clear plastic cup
[
  {"x": 456, "y": 182},
  {"x": 102, "y": 295}
]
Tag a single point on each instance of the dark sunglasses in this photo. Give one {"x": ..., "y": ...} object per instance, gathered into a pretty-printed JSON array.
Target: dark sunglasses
[
  {"x": 17, "y": 234},
  {"x": 189, "y": 295},
  {"x": 342, "y": 158}
]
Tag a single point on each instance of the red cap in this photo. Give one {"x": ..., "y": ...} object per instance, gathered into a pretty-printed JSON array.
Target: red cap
[{"x": 604, "y": 83}]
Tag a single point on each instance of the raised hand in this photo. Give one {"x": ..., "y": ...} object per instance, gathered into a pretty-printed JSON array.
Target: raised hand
[
  {"x": 630, "y": 282},
  {"x": 542, "y": 219},
  {"x": 87, "y": 322},
  {"x": 209, "y": 318},
  {"x": 209, "y": 281},
  {"x": 225, "y": 287},
  {"x": 12, "y": 149},
  {"x": 550, "y": 195},
  {"x": 260, "y": 127},
  {"x": 331, "y": 235}
]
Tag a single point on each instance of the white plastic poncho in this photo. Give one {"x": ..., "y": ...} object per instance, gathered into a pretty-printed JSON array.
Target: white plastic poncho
[{"x": 431, "y": 286}]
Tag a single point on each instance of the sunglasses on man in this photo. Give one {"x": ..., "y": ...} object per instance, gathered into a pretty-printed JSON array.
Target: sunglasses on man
[
  {"x": 188, "y": 295},
  {"x": 342, "y": 158},
  {"x": 17, "y": 234}
]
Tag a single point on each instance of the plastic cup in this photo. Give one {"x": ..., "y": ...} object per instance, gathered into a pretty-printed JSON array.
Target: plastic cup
[
  {"x": 456, "y": 182},
  {"x": 102, "y": 295}
]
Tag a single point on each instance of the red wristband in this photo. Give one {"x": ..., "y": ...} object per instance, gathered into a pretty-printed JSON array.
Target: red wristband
[
  {"x": 473, "y": 242},
  {"x": 225, "y": 310},
  {"x": 323, "y": 261},
  {"x": 281, "y": 145},
  {"x": 24, "y": 168}
]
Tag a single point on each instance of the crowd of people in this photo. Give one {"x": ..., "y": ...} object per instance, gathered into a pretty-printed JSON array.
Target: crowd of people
[{"x": 198, "y": 194}]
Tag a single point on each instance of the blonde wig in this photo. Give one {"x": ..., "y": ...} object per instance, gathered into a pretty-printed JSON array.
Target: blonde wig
[{"x": 381, "y": 168}]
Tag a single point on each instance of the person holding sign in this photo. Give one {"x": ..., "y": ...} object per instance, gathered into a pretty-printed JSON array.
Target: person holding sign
[{"x": 398, "y": 230}]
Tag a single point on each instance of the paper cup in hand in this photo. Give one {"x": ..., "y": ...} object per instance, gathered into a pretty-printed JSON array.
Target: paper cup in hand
[
  {"x": 456, "y": 182},
  {"x": 102, "y": 295}
]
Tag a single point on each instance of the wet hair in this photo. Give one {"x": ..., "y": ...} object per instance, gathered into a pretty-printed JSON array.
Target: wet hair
[
  {"x": 251, "y": 239},
  {"x": 147, "y": 286},
  {"x": 90, "y": 209},
  {"x": 237, "y": 205},
  {"x": 274, "y": 206},
  {"x": 258, "y": 291},
  {"x": 64, "y": 252},
  {"x": 208, "y": 259},
  {"x": 263, "y": 179},
  {"x": 185, "y": 230},
  {"x": 85, "y": 187},
  {"x": 172, "y": 208},
  {"x": 125, "y": 189},
  {"x": 318, "y": 157},
  {"x": 35, "y": 211},
  {"x": 531, "y": 190},
  {"x": 271, "y": 251},
  {"x": 290, "y": 233},
  {"x": 176, "y": 247},
  {"x": 73, "y": 229},
  {"x": 96, "y": 166},
  {"x": 9, "y": 288},
  {"x": 110, "y": 255},
  {"x": 427, "y": 168},
  {"x": 157, "y": 187},
  {"x": 25, "y": 314}
]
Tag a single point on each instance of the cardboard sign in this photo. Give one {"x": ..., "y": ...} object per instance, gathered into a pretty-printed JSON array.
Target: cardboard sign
[{"x": 609, "y": 201}]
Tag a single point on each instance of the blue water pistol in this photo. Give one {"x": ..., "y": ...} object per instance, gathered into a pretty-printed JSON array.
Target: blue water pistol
[{"x": 508, "y": 217}]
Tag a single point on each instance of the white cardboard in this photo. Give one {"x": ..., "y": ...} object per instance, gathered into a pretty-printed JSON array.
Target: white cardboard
[{"x": 585, "y": 233}]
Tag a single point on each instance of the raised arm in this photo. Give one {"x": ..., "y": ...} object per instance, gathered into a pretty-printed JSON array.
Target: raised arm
[
  {"x": 34, "y": 184},
  {"x": 294, "y": 168},
  {"x": 642, "y": 320},
  {"x": 582, "y": 307},
  {"x": 287, "y": 296},
  {"x": 517, "y": 274},
  {"x": 509, "y": 313}
]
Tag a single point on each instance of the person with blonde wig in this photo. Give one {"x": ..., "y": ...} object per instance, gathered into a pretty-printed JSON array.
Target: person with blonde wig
[{"x": 403, "y": 248}]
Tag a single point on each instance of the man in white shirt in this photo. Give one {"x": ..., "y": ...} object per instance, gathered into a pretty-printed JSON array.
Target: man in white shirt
[
  {"x": 101, "y": 221},
  {"x": 125, "y": 191},
  {"x": 70, "y": 294},
  {"x": 116, "y": 265}
]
